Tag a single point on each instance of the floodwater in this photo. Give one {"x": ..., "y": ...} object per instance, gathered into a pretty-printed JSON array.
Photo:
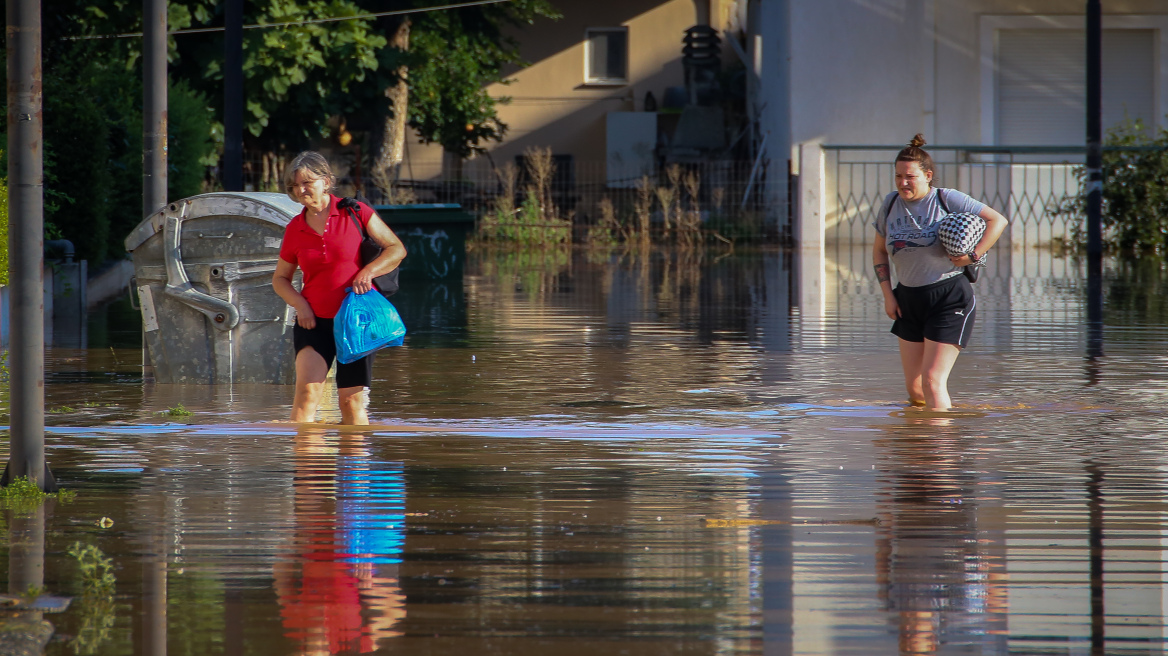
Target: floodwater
[{"x": 580, "y": 454}]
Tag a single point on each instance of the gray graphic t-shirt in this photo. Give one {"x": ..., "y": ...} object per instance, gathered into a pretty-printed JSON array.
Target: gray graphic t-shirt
[{"x": 910, "y": 235}]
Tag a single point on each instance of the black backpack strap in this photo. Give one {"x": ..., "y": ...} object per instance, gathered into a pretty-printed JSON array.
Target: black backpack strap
[
  {"x": 351, "y": 204},
  {"x": 941, "y": 200},
  {"x": 887, "y": 207}
]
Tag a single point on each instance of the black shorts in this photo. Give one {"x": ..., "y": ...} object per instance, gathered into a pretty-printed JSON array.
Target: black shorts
[
  {"x": 320, "y": 338},
  {"x": 942, "y": 312}
]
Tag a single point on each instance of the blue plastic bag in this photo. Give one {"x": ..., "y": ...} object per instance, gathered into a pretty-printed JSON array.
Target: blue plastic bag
[{"x": 364, "y": 324}]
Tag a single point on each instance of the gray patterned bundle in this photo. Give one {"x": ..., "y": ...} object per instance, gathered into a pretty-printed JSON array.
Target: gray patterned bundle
[{"x": 959, "y": 232}]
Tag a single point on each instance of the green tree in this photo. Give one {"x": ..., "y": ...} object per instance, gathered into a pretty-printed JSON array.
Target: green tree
[
  {"x": 298, "y": 76},
  {"x": 190, "y": 140},
  {"x": 79, "y": 177}
]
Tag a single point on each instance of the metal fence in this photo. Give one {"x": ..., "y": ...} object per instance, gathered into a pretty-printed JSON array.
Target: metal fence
[
  {"x": 729, "y": 196},
  {"x": 1026, "y": 184},
  {"x": 1026, "y": 269}
]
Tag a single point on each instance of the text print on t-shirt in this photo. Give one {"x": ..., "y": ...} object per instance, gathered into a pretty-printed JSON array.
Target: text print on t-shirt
[{"x": 904, "y": 232}]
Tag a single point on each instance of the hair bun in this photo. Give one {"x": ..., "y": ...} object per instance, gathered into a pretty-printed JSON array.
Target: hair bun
[{"x": 917, "y": 141}]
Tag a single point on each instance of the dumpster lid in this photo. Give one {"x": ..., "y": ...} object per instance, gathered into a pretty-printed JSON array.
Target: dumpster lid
[{"x": 274, "y": 207}]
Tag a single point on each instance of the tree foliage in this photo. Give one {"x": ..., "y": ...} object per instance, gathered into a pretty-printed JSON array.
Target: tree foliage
[
  {"x": 297, "y": 78},
  {"x": 454, "y": 56},
  {"x": 1135, "y": 192}
]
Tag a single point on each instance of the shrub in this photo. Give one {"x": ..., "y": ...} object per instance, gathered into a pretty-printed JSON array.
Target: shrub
[
  {"x": 190, "y": 149},
  {"x": 1135, "y": 193},
  {"x": 93, "y": 150}
]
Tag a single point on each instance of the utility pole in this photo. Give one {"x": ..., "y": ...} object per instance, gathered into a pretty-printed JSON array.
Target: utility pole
[
  {"x": 1094, "y": 178},
  {"x": 233, "y": 96},
  {"x": 154, "y": 89},
  {"x": 154, "y": 125},
  {"x": 26, "y": 251}
]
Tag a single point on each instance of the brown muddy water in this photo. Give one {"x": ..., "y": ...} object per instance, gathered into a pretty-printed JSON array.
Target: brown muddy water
[{"x": 577, "y": 454}]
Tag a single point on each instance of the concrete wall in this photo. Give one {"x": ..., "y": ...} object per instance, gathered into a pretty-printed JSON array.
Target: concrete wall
[
  {"x": 865, "y": 72},
  {"x": 877, "y": 72}
]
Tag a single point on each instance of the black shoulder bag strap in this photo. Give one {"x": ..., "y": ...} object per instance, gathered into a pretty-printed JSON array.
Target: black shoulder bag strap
[
  {"x": 888, "y": 202},
  {"x": 387, "y": 284}
]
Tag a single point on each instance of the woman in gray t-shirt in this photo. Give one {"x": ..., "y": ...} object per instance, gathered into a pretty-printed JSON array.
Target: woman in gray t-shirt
[{"x": 933, "y": 305}]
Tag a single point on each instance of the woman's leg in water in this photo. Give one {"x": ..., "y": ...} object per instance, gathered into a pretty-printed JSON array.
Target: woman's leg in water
[
  {"x": 936, "y": 363},
  {"x": 311, "y": 371},
  {"x": 911, "y": 354},
  {"x": 352, "y": 403}
]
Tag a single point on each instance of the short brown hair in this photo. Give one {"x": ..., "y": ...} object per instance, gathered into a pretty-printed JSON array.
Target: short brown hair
[
  {"x": 312, "y": 163},
  {"x": 914, "y": 153}
]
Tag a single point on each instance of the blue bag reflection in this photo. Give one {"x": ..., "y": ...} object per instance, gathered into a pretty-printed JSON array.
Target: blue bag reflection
[{"x": 372, "y": 509}]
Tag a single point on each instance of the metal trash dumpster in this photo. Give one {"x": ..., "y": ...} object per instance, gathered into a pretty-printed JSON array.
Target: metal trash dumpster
[{"x": 203, "y": 272}]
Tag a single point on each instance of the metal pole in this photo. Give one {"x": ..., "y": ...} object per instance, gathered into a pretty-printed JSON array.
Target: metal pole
[
  {"x": 233, "y": 97},
  {"x": 26, "y": 251},
  {"x": 1095, "y": 177},
  {"x": 153, "y": 106},
  {"x": 154, "y": 125}
]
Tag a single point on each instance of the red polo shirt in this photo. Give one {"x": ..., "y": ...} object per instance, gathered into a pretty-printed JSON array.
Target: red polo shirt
[{"x": 329, "y": 261}]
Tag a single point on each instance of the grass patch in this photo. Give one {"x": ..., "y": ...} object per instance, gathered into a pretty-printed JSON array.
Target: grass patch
[
  {"x": 23, "y": 496},
  {"x": 97, "y": 598},
  {"x": 177, "y": 411}
]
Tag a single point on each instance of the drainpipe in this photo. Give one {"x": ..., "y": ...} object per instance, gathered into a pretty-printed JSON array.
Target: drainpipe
[
  {"x": 25, "y": 248},
  {"x": 64, "y": 246},
  {"x": 772, "y": 59}
]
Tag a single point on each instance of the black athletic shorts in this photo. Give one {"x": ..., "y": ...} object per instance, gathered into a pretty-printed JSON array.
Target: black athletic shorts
[
  {"x": 354, "y": 374},
  {"x": 942, "y": 312}
]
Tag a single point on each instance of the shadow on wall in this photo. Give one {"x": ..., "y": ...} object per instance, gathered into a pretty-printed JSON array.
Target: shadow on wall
[{"x": 553, "y": 34}]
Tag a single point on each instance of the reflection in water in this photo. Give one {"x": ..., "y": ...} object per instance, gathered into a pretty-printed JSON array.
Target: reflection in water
[
  {"x": 941, "y": 572},
  {"x": 338, "y": 589},
  {"x": 567, "y": 426}
]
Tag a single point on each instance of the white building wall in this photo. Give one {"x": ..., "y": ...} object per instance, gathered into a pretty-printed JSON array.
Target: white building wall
[{"x": 858, "y": 71}]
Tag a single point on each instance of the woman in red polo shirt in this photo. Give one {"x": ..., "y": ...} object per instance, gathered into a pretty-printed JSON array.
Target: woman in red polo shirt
[{"x": 323, "y": 242}]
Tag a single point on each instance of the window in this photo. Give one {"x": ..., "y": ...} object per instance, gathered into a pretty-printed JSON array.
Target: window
[
  {"x": 1034, "y": 76},
  {"x": 1042, "y": 83},
  {"x": 606, "y": 55}
]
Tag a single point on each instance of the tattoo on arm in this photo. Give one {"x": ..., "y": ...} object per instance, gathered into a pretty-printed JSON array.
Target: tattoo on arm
[{"x": 881, "y": 272}]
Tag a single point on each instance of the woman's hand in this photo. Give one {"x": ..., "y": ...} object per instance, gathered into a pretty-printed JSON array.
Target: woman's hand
[
  {"x": 961, "y": 260},
  {"x": 305, "y": 317},
  {"x": 363, "y": 281},
  {"x": 282, "y": 285},
  {"x": 891, "y": 307}
]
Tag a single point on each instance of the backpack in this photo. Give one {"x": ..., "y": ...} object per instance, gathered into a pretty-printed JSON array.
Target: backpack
[
  {"x": 970, "y": 271},
  {"x": 387, "y": 283}
]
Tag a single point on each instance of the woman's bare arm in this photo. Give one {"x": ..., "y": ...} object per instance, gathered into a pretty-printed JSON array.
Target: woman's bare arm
[
  {"x": 282, "y": 285},
  {"x": 884, "y": 276},
  {"x": 392, "y": 254}
]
